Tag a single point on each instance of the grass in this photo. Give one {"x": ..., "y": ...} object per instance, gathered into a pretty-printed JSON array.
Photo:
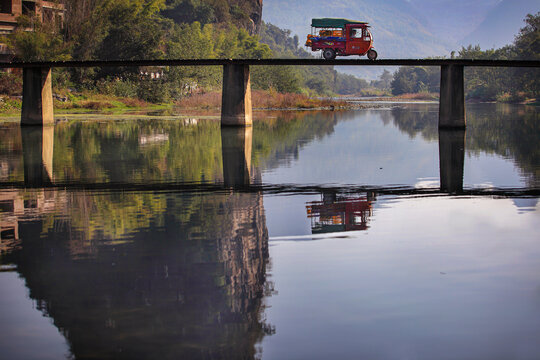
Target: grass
[
  {"x": 262, "y": 100},
  {"x": 372, "y": 92},
  {"x": 10, "y": 105},
  {"x": 88, "y": 102},
  {"x": 419, "y": 96}
]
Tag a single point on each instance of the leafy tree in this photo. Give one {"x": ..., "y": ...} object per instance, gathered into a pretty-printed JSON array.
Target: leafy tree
[
  {"x": 284, "y": 79},
  {"x": 527, "y": 42},
  {"x": 486, "y": 83},
  {"x": 415, "y": 79},
  {"x": 187, "y": 11},
  {"x": 384, "y": 81},
  {"x": 527, "y": 46},
  {"x": 43, "y": 43}
]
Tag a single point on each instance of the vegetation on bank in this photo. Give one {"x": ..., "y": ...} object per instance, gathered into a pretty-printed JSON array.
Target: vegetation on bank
[
  {"x": 181, "y": 29},
  {"x": 166, "y": 29},
  {"x": 92, "y": 102},
  {"x": 265, "y": 100}
]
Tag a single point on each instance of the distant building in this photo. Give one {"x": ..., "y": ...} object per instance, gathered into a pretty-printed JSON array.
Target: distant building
[{"x": 10, "y": 10}]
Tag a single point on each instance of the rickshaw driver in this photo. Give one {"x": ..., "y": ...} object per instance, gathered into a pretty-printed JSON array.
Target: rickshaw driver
[{"x": 356, "y": 33}]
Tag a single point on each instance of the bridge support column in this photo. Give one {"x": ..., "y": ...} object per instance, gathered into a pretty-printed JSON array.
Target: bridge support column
[
  {"x": 451, "y": 159},
  {"x": 37, "y": 107},
  {"x": 236, "y": 96},
  {"x": 452, "y": 98},
  {"x": 236, "y": 144}
]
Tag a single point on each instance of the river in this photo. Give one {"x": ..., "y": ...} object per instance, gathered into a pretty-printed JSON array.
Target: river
[{"x": 362, "y": 234}]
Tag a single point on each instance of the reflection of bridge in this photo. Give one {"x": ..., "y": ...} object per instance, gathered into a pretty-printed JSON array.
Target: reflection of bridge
[
  {"x": 38, "y": 143},
  {"x": 236, "y": 96}
]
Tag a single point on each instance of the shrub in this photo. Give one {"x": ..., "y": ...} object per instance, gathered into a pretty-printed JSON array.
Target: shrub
[
  {"x": 154, "y": 91},
  {"x": 10, "y": 84}
]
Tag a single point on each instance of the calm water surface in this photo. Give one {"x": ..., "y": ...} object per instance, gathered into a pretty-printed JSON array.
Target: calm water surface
[{"x": 352, "y": 235}]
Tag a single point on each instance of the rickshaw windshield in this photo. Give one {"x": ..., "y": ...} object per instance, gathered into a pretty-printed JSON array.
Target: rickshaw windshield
[{"x": 367, "y": 35}]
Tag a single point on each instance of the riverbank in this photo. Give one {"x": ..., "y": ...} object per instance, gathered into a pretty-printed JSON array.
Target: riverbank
[
  {"x": 210, "y": 102},
  {"x": 262, "y": 100}
]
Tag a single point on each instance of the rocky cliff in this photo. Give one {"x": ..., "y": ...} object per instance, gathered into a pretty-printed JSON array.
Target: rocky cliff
[
  {"x": 250, "y": 16},
  {"x": 245, "y": 14}
]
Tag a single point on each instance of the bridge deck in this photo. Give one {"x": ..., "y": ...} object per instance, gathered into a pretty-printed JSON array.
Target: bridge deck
[
  {"x": 37, "y": 108},
  {"x": 258, "y": 62}
]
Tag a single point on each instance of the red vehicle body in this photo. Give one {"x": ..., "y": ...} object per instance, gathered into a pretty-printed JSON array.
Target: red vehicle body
[{"x": 341, "y": 37}]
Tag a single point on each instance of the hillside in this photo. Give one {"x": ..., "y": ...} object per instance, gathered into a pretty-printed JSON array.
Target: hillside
[
  {"x": 413, "y": 28},
  {"x": 246, "y": 14},
  {"x": 501, "y": 23},
  {"x": 452, "y": 19},
  {"x": 397, "y": 29}
]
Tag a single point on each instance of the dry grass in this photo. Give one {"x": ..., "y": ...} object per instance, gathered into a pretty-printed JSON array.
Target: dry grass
[
  {"x": 262, "y": 100},
  {"x": 94, "y": 105},
  {"x": 133, "y": 102},
  {"x": 419, "y": 96},
  {"x": 210, "y": 100},
  {"x": 275, "y": 100}
]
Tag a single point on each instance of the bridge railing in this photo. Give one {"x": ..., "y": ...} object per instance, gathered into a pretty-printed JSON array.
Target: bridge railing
[{"x": 236, "y": 107}]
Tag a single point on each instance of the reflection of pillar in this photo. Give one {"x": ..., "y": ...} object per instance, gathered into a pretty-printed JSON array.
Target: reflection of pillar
[
  {"x": 452, "y": 97},
  {"x": 38, "y": 154},
  {"x": 37, "y": 107},
  {"x": 236, "y": 149},
  {"x": 236, "y": 96},
  {"x": 451, "y": 159}
]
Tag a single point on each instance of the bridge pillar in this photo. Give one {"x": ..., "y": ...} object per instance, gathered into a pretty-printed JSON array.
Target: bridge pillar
[
  {"x": 451, "y": 159},
  {"x": 37, "y": 107},
  {"x": 452, "y": 97},
  {"x": 236, "y": 145},
  {"x": 236, "y": 96}
]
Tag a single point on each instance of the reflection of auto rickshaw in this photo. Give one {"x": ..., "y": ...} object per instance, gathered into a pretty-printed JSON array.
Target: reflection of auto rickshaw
[
  {"x": 341, "y": 37},
  {"x": 340, "y": 213}
]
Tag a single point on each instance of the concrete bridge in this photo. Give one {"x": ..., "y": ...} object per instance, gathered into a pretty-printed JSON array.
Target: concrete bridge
[{"x": 236, "y": 107}]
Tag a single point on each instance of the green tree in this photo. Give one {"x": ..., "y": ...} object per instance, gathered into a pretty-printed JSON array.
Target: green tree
[
  {"x": 43, "y": 43},
  {"x": 511, "y": 84},
  {"x": 527, "y": 46}
]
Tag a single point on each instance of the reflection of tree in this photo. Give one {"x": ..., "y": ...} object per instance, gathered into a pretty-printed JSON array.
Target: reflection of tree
[
  {"x": 505, "y": 130},
  {"x": 187, "y": 282},
  {"x": 115, "y": 151},
  {"x": 279, "y": 140},
  {"x": 10, "y": 153},
  {"x": 163, "y": 151},
  {"x": 514, "y": 133},
  {"x": 141, "y": 274},
  {"x": 417, "y": 119}
]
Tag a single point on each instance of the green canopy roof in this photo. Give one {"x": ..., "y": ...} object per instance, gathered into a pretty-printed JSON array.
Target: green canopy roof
[{"x": 333, "y": 22}]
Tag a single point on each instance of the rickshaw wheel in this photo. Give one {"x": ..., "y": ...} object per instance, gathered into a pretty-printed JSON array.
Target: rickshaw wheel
[
  {"x": 329, "y": 54},
  {"x": 372, "y": 54}
]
